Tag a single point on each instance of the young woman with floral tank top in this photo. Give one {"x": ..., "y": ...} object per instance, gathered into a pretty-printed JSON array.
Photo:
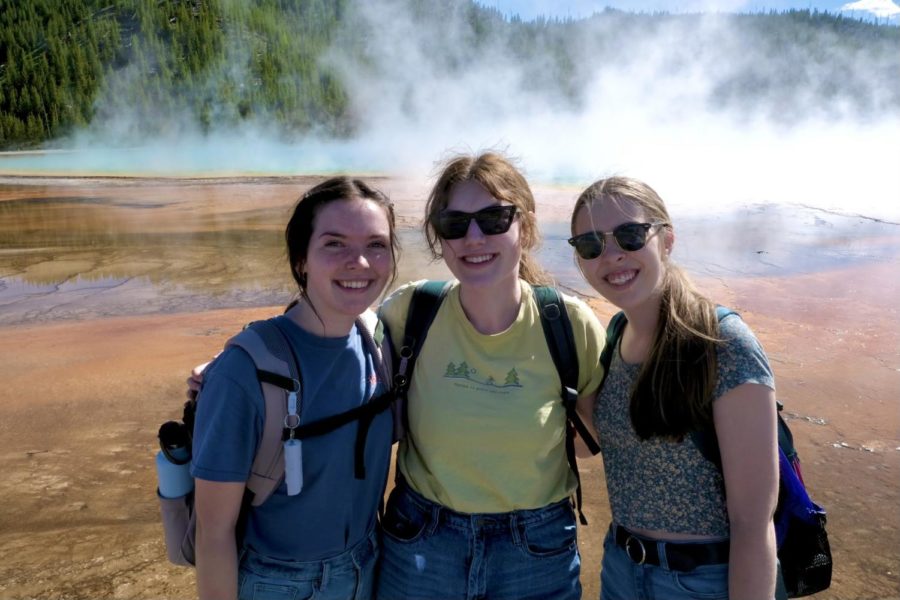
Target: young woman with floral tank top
[{"x": 682, "y": 527}]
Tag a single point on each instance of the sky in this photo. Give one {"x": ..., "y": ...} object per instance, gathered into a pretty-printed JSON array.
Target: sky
[{"x": 528, "y": 9}]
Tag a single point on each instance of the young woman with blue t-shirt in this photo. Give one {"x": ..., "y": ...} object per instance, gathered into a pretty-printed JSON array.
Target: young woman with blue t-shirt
[
  {"x": 322, "y": 542},
  {"x": 681, "y": 527},
  {"x": 482, "y": 504}
]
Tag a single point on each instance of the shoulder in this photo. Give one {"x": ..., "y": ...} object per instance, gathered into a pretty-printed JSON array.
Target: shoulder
[
  {"x": 589, "y": 337},
  {"x": 585, "y": 324},
  {"x": 737, "y": 337},
  {"x": 580, "y": 312},
  {"x": 740, "y": 356},
  {"x": 395, "y": 307},
  {"x": 232, "y": 367},
  {"x": 397, "y": 303},
  {"x": 230, "y": 387}
]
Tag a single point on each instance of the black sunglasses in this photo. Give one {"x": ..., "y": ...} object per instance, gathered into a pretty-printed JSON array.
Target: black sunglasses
[
  {"x": 630, "y": 237},
  {"x": 493, "y": 220}
]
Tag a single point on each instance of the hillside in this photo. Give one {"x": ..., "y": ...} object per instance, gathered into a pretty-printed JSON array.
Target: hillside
[{"x": 130, "y": 69}]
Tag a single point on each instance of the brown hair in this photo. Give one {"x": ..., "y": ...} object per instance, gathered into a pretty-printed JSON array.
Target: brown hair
[
  {"x": 673, "y": 393},
  {"x": 496, "y": 174},
  {"x": 299, "y": 229}
]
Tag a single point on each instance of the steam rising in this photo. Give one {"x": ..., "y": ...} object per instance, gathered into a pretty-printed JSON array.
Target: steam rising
[{"x": 658, "y": 112}]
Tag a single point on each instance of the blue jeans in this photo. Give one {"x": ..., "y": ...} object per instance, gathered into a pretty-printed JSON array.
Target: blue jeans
[
  {"x": 623, "y": 579},
  {"x": 347, "y": 576},
  {"x": 430, "y": 552}
]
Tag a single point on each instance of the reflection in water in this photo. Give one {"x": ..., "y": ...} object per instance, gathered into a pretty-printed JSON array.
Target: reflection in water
[
  {"x": 100, "y": 248},
  {"x": 113, "y": 250}
]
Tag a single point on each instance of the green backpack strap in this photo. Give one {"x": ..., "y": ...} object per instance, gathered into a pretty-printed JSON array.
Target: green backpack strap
[
  {"x": 561, "y": 343},
  {"x": 613, "y": 333}
]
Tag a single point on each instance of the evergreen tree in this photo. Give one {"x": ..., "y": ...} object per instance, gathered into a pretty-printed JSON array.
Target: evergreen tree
[{"x": 214, "y": 64}]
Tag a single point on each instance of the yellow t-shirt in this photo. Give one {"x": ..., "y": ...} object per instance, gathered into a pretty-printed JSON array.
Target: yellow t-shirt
[{"x": 486, "y": 422}]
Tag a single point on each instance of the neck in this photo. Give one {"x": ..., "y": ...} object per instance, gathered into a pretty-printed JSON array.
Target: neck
[
  {"x": 638, "y": 335},
  {"x": 306, "y": 318},
  {"x": 494, "y": 309}
]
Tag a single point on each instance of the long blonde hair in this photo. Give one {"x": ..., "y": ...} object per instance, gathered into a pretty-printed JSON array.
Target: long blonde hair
[
  {"x": 673, "y": 393},
  {"x": 503, "y": 181}
]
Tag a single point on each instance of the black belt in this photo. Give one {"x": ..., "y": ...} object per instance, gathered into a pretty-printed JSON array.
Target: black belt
[{"x": 680, "y": 556}]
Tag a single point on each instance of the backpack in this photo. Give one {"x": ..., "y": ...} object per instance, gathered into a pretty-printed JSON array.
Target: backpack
[
  {"x": 423, "y": 308},
  {"x": 803, "y": 550},
  {"x": 279, "y": 378}
]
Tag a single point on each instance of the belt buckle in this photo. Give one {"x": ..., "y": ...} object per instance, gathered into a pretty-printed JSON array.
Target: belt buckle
[{"x": 640, "y": 545}]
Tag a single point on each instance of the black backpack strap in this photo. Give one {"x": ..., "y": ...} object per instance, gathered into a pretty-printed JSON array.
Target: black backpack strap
[
  {"x": 423, "y": 308},
  {"x": 561, "y": 343},
  {"x": 364, "y": 413}
]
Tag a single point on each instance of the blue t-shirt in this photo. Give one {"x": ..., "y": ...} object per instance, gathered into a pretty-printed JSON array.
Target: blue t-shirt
[{"x": 334, "y": 511}]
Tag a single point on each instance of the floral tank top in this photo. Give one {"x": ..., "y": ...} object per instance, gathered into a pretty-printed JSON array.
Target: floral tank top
[{"x": 658, "y": 483}]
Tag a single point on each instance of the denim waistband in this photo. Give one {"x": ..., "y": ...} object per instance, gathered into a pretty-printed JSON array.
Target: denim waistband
[
  {"x": 308, "y": 570},
  {"x": 487, "y": 522}
]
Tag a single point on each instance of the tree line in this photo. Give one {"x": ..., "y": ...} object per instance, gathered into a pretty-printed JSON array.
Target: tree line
[{"x": 215, "y": 64}]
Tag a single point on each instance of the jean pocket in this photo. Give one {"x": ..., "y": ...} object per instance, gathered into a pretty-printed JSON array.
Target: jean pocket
[
  {"x": 549, "y": 537},
  {"x": 706, "y": 582},
  {"x": 403, "y": 522},
  {"x": 255, "y": 587}
]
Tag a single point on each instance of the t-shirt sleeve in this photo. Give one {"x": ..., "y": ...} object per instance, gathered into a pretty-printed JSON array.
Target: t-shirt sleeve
[
  {"x": 229, "y": 421},
  {"x": 589, "y": 340},
  {"x": 741, "y": 358}
]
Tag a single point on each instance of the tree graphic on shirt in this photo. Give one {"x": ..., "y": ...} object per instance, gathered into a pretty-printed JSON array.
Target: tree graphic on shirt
[{"x": 512, "y": 378}]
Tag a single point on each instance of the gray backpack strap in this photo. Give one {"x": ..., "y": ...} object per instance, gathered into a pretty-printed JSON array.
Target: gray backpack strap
[
  {"x": 372, "y": 330},
  {"x": 266, "y": 346}
]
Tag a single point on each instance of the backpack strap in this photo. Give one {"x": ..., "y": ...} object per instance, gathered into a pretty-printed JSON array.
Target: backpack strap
[
  {"x": 266, "y": 344},
  {"x": 370, "y": 327},
  {"x": 423, "y": 308},
  {"x": 613, "y": 333},
  {"x": 561, "y": 343},
  {"x": 705, "y": 439},
  {"x": 278, "y": 374}
]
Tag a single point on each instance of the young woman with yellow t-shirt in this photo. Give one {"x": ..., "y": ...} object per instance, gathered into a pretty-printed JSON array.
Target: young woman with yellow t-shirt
[{"x": 481, "y": 508}]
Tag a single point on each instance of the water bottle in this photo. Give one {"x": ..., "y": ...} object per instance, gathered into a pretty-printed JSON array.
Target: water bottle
[{"x": 173, "y": 461}]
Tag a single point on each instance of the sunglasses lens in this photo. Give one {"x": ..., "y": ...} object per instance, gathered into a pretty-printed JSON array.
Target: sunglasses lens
[
  {"x": 588, "y": 246},
  {"x": 452, "y": 226},
  {"x": 631, "y": 236},
  {"x": 495, "y": 220}
]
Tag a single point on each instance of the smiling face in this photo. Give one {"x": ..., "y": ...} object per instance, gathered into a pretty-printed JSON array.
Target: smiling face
[
  {"x": 630, "y": 280},
  {"x": 478, "y": 260},
  {"x": 348, "y": 261}
]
